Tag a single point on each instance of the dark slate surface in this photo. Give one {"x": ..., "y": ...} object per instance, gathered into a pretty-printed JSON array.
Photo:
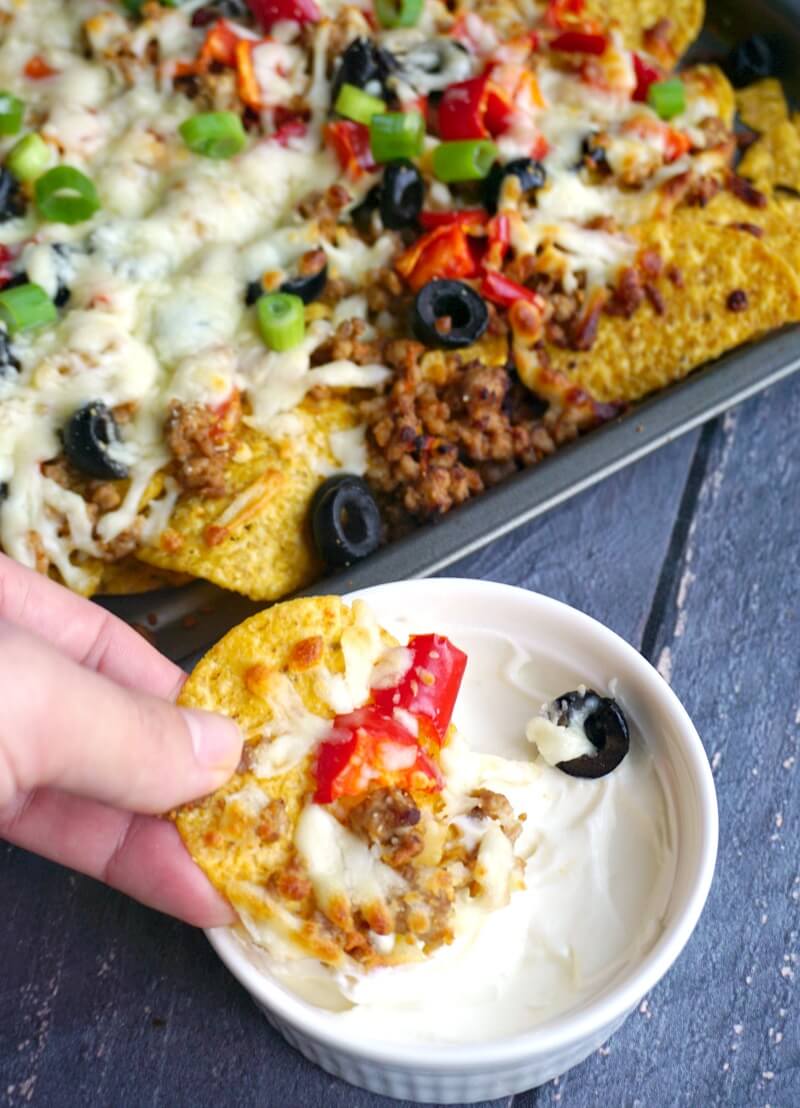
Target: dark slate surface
[{"x": 692, "y": 555}]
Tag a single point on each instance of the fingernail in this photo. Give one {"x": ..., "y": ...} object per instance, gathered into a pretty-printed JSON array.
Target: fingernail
[{"x": 217, "y": 741}]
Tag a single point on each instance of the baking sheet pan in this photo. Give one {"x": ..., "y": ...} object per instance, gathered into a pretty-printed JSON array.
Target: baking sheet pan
[{"x": 184, "y": 622}]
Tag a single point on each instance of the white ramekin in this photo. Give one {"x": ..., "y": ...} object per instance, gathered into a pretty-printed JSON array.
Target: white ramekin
[{"x": 448, "y": 1074}]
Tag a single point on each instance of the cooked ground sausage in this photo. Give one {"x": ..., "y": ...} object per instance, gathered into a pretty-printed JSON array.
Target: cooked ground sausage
[{"x": 199, "y": 451}]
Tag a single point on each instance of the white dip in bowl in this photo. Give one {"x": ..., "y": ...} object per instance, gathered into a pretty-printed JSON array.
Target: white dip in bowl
[{"x": 616, "y": 870}]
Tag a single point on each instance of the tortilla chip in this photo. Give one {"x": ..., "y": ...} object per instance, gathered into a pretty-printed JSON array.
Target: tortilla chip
[
  {"x": 632, "y": 357},
  {"x": 763, "y": 106},
  {"x": 710, "y": 83},
  {"x": 257, "y": 540},
  {"x": 242, "y": 677},
  {"x": 130, "y": 577},
  {"x": 774, "y": 159},
  {"x": 779, "y": 221},
  {"x": 635, "y": 17}
]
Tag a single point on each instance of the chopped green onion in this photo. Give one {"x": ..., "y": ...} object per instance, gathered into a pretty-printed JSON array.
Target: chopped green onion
[
  {"x": 465, "y": 160},
  {"x": 12, "y": 112},
  {"x": 217, "y": 135},
  {"x": 28, "y": 158},
  {"x": 65, "y": 195},
  {"x": 394, "y": 135},
  {"x": 667, "y": 98},
  {"x": 354, "y": 103},
  {"x": 281, "y": 320},
  {"x": 25, "y": 307},
  {"x": 398, "y": 13}
]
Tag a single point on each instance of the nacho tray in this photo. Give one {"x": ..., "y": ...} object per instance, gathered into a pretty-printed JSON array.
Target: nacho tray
[{"x": 183, "y": 622}]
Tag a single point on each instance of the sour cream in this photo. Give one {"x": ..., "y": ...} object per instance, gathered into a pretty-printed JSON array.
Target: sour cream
[{"x": 599, "y": 865}]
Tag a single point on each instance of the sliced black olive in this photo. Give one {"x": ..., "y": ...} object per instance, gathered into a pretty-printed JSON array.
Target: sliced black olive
[
  {"x": 12, "y": 201},
  {"x": 309, "y": 286},
  {"x": 9, "y": 366},
  {"x": 594, "y": 154},
  {"x": 402, "y": 193},
  {"x": 345, "y": 520},
  {"x": 604, "y": 725},
  {"x": 253, "y": 292},
  {"x": 531, "y": 175},
  {"x": 363, "y": 63},
  {"x": 3, "y": 491},
  {"x": 88, "y": 438},
  {"x": 449, "y": 314},
  {"x": 222, "y": 9},
  {"x": 362, "y": 214},
  {"x": 433, "y": 65},
  {"x": 750, "y": 61}
]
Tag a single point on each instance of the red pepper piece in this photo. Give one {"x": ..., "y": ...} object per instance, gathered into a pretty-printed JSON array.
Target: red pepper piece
[
  {"x": 429, "y": 689},
  {"x": 443, "y": 252},
  {"x": 268, "y": 12},
  {"x": 473, "y": 109},
  {"x": 471, "y": 219},
  {"x": 292, "y": 128},
  {"x": 580, "y": 42},
  {"x": 38, "y": 69},
  {"x": 367, "y": 751},
  {"x": 350, "y": 143},
  {"x": 646, "y": 75},
  {"x": 505, "y": 292}
]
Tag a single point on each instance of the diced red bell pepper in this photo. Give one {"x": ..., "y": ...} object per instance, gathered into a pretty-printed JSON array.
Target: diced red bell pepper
[
  {"x": 268, "y": 12},
  {"x": 292, "y": 128},
  {"x": 505, "y": 292},
  {"x": 580, "y": 42},
  {"x": 247, "y": 83},
  {"x": 473, "y": 109},
  {"x": 471, "y": 219},
  {"x": 443, "y": 252},
  {"x": 368, "y": 751},
  {"x": 429, "y": 688},
  {"x": 350, "y": 142},
  {"x": 219, "y": 45},
  {"x": 39, "y": 69},
  {"x": 646, "y": 75}
]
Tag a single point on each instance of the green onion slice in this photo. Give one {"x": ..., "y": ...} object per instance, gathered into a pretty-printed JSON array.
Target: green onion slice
[
  {"x": 667, "y": 98},
  {"x": 217, "y": 135},
  {"x": 65, "y": 195},
  {"x": 394, "y": 135},
  {"x": 465, "y": 160},
  {"x": 28, "y": 158},
  {"x": 12, "y": 112},
  {"x": 25, "y": 307},
  {"x": 354, "y": 103},
  {"x": 398, "y": 13},
  {"x": 281, "y": 320}
]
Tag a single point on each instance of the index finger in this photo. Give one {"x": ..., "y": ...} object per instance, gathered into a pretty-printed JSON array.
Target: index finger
[{"x": 83, "y": 631}]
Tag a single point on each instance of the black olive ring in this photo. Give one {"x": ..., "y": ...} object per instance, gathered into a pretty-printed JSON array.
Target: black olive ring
[
  {"x": 401, "y": 195},
  {"x": 345, "y": 520},
  {"x": 455, "y": 301},
  {"x": 530, "y": 174},
  {"x": 605, "y": 727},
  {"x": 88, "y": 438}
]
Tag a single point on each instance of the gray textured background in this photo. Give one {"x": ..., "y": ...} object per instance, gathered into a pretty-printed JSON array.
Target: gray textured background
[{"x": 692, "y": 555}]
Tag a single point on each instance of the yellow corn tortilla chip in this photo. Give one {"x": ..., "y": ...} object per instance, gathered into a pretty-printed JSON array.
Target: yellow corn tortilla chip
[
  {"x": 632, "y": 357},
  {"x": 763, "y": 106},
  {"x": 710, "y": 83},
  {"x": 242, "y": 835},
  {"x": 131, "y": 576},
  {"x": 774, "y": 159},
  {"x": 779, "y": 221},
  {"x": 637, "y": 16},
  {"x": 256, "y": 540}
]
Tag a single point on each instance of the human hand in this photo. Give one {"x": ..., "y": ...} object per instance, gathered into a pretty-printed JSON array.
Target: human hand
[{"x": 92, "y": 749}]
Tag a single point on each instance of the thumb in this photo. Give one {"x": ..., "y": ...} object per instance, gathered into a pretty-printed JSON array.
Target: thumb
[{"x": 70, "y": 728}]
